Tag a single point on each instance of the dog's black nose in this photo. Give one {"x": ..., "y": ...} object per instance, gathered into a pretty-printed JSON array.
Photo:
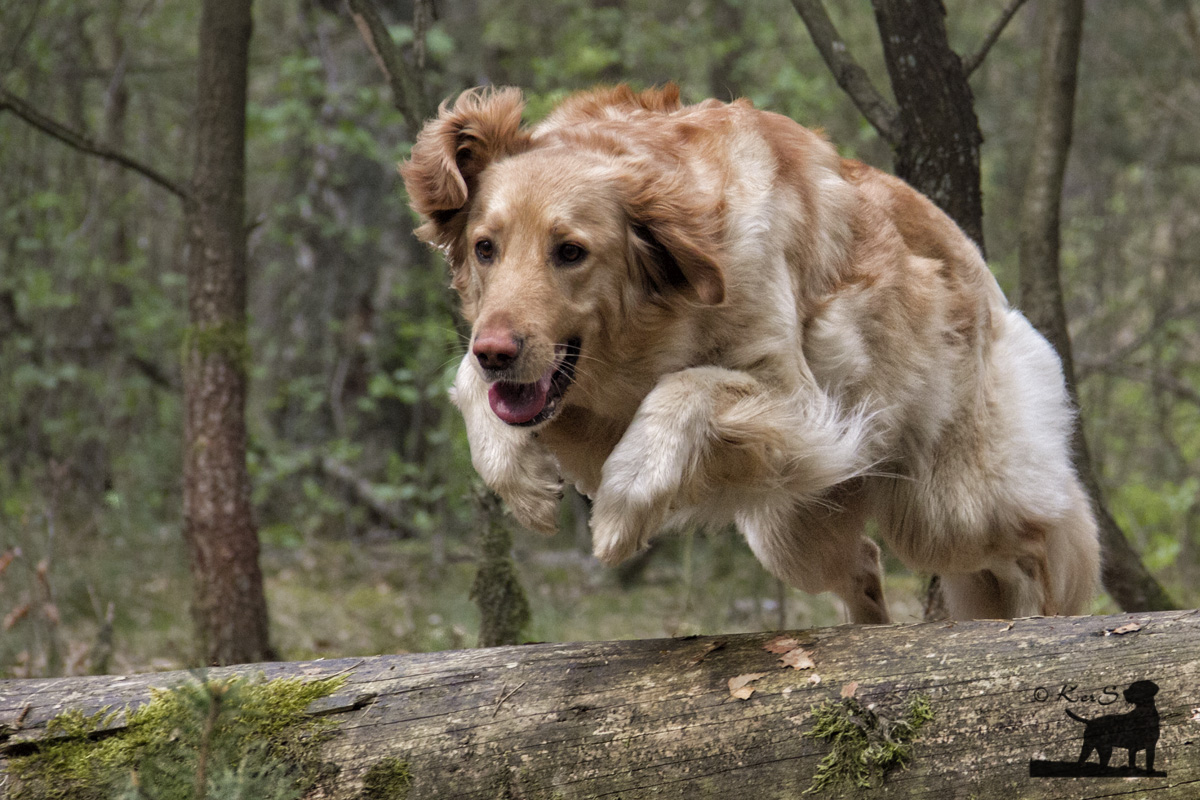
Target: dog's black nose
[{"x": 496, "y": 351}]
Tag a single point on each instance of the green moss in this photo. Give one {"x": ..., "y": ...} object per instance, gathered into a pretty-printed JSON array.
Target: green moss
[
  {"x": 503, "y": 607},
  {"x": 72, "y": 767},
  {"x": 866, "y": 744},
  {"x": 387, "y": 779},
  {"x": 227, "y": 339},
  {"x": 218, "y": 738}
]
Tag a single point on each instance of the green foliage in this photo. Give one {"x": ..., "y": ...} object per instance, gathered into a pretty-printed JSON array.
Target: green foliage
[
  {"x": 866, "y": 744},
  {"x": 1155, "y": 515},
  {"x": 363, "y": 371},
  {"x": 219, "y": 739},
  {"x": 711, "y": 48}
]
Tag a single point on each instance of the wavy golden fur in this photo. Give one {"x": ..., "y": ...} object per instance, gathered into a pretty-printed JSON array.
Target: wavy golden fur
[{"x": 701, "y": 313}]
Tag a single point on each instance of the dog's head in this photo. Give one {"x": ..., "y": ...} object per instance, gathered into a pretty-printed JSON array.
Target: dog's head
[
  {"x": 558, "y": 241},
  {"x": 1141, "y": 693}
]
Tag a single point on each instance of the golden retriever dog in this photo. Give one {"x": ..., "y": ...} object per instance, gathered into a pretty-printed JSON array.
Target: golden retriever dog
[{"x": 702, "y": 314}]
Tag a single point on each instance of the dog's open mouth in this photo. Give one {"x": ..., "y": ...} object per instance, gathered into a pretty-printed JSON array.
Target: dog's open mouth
[{"x": 536, "y": 402}]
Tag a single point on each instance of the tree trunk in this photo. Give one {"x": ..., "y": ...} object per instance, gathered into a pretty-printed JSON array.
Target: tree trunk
[
  {"x": 939, "y": 137},
  {"x": 1041, "y": 294},
  {"x": 228, "y": 604},
  {"x": 660, "y": 718}
]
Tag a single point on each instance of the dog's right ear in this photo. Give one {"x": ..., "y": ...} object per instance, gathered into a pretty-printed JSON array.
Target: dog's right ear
[{"x": 451, "y": 152}]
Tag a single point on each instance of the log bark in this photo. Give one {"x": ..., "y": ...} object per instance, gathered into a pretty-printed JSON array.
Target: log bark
[{"x": 657, "y": 718}]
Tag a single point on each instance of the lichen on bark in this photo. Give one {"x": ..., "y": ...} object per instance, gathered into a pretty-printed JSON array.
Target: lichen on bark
[{"x": 227, "y": 339}]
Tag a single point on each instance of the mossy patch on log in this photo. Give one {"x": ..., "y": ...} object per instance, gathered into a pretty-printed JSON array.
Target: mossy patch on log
[
  {"x": 387, "y": 779},
  {"x": 216, "y": 738},
  {"x": 866, "y": 744}
]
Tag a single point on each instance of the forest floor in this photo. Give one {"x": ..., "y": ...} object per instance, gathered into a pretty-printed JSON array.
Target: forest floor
[{"x": 331, "y": 598}]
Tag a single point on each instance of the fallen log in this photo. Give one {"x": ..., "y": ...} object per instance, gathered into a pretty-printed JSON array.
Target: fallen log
[{"x": 733, "y": 716}]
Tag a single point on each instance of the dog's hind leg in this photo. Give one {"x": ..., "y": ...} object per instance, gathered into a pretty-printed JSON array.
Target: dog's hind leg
[
  {"x": 820, "y": 550},
  {"x": 981, "y": 595},
  {"x": 863, "y": 592},
  {"x": 1041, "y": 568},
  {"x": 1005, "y": 589},
  {"x": 1073, "y": 554}
]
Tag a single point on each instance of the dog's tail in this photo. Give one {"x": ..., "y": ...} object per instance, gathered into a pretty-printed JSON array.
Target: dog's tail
[{"x": 1076, "y": 717}]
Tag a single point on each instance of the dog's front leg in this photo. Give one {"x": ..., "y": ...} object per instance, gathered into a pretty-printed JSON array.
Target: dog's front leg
[
  {"x": 706, "y": 432},
  {"x": 509, "y": 459}
]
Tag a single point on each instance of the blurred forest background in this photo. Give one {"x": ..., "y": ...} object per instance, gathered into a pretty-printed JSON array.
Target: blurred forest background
[{"x": 362, "y": 485}]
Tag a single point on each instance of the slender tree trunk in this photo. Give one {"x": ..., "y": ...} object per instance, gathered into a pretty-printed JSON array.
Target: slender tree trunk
[
  {"x": 939, "y": 139},
  {"x": 503, "y": 607},
  {"x": 1040, "y": 289},
  {"x": 228, "y": 604},
  {"x": 1041, "y": 295}
]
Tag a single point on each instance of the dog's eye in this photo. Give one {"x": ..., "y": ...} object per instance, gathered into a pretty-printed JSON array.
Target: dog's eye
[
  {"x": 485, "y": 251},
  {"x": 569, "y": 253}
]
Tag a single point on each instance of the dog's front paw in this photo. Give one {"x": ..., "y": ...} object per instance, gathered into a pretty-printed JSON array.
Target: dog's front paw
[
  {"x": 535, "y": 506},
  {"x": 638, "y": 483},
  {"x": 620, "y": 528}
]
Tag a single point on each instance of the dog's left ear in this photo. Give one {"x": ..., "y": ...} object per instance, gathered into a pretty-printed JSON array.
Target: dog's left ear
[
  {"x": 675, "y": 243},
  {"x": 451, "y": 152}
]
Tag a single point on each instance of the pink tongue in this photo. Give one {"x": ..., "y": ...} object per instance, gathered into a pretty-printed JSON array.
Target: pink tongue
[{"x": 519, "y": 402}]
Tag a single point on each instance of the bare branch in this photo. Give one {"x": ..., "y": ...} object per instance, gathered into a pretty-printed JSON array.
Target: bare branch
[
  {"x": 1161, "y": 380},
  {"x": 405, "y": 82},
  {"x": 846, "y": 71},
  {"x": 1191, "y": 25},
  {"x": 422, "y": 19},
  {"x": 1173, "y": 385},
  {"x": 19, "y": 41},
  {"x": 1114, "y": 355},
  {"x": 26, "y": 112},
  {"x": 153, "y": 373},
  {"x": 365, "y": 494},
  {"x": 972, "y": 62}
]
